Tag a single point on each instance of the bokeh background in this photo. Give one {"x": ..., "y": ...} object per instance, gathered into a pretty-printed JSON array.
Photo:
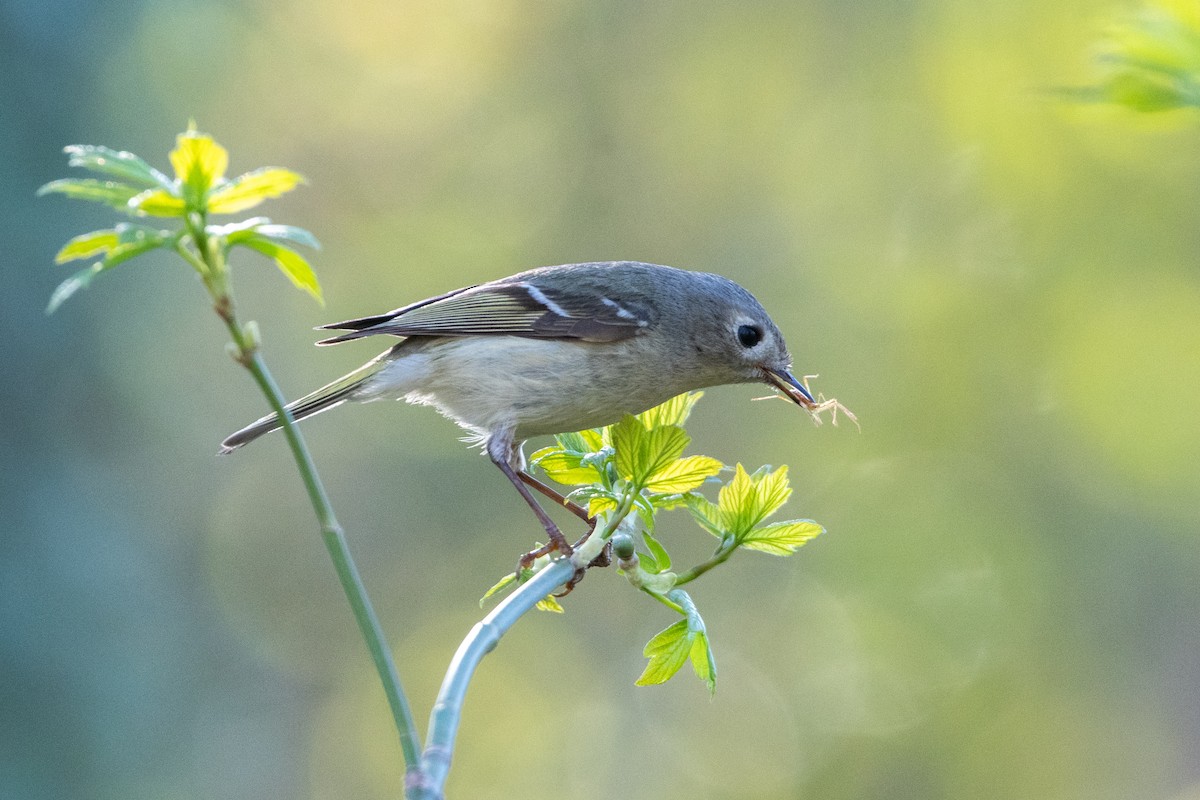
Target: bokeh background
[{"x": 1005, "y": 288}]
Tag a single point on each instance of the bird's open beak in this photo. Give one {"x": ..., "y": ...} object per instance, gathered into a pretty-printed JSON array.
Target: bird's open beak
[{"x": 792, "y": 389}]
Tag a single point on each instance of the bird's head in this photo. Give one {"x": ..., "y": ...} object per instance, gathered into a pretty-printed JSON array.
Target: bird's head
[{"x": 747, "y": 344}]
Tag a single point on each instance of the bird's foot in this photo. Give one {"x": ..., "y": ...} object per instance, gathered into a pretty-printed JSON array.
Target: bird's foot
[
  {"x": 557, "y": 544},
  {"x": 601, "y": 560}
]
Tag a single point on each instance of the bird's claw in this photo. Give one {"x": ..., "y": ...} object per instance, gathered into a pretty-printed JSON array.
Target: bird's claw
[
  {"x": 603, "y": 559},
  {"x": 557, "y": 544}
]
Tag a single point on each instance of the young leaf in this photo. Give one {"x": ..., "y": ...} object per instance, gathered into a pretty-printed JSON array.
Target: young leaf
[
  {"x": 291, "y": 263},
  {"x": 199, "y": 164},
  {"x": 593, "y": 440},
  {"x": 135, "y": 246},
  {"x": 289, "y": 233},
  {"x": 119, "y": 244},
  {"x": 549, "y": 603},
  {"x": 110, "y": 193},
  {"x": 642, "y": 453},
  {"x": 497, "y": 587},
  {"x": 673, "y": 412},
  {"x": 71, "y": 285},
  {"x": 157, "y": 203},
  {"x": 648, "y": 563},
  {"x": 628, "y": 438},
  {"x": 234, "y": 231},
  {"x": 667, "y": 651},
  {"x": 571, "y": 442},
  {"x": 781, "y": 538},
  {"x": 667, "y": 502},
  {"x": 87, "y": 244},
  {"x": 683, "y": 475},
  {"x": 749, "y": 499},
  {"x": 250, "y": 189},
  {"x": 565, "y": 468},
  {"x": 661, "y": 557},
  {"x": 706, "y": 513},
  {"x": 645, "y": 510},
  {"x": 601, "y": 503},
  {"x": 773, "y": 490},
  {"x": 703, "y": 663},
  {"x": 123, "y": 165}
]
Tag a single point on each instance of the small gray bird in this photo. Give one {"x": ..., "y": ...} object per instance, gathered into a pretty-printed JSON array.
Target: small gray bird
[{"x": 559, "y": 349}]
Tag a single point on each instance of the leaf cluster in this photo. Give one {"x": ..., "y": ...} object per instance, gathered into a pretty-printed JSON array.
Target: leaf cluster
[
  {"x": 638, "y": 465},
  {"x": 1149, "y": 59},
  {"x": 198, "y": 189}
]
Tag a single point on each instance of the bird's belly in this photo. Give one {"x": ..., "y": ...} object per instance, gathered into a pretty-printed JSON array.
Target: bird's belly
[{"x": 534, "y": 386}]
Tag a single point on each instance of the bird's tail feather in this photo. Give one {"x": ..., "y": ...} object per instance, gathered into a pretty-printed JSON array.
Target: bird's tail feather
[{"x": 323, "y": 399}]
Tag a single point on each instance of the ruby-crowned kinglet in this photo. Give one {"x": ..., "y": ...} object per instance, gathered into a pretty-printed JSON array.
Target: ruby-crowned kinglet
[{"x": 559, "y": 349}]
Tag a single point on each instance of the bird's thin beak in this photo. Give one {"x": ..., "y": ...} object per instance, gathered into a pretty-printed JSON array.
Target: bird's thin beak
[{"x": 792, "y": 389}]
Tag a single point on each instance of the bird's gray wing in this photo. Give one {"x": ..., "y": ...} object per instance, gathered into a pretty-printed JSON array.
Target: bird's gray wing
[{"x": 516, "y": 308}]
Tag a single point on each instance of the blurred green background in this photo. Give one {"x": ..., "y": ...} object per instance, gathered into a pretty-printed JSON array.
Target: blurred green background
[{"x": 1004, "y": 288}]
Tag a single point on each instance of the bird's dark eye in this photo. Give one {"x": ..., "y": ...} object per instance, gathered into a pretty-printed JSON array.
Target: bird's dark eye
[{"x": 749, "y": 335}]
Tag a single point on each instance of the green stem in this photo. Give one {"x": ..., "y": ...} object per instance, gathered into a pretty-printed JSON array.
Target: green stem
[
  {"x": 348, "y": 574},
  {"x": 720, "y": 557},
  {"x": 215, "y": 278}
]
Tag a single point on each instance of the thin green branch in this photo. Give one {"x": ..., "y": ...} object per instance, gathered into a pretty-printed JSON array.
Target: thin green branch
[
  {"x": 348, "y": 574},
  {"x": 211, "y": 258},
  {"x": 720, "y": 557}
]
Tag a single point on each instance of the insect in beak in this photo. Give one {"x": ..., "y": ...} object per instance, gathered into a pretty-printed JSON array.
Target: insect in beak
[
  {"x": 792, "y": 389},
  {"x": 799, "y": 394}
]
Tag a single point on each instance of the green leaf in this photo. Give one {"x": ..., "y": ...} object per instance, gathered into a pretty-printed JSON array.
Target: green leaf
[
  {"x": 251, "y": 188},
  {"x": 565, "y": 468},
  {"x": 158, "y": 203},
  {"x": 235, "y": 232},
  {"x": 673, "y": 412},
  {"x": 538, "y": 455},
  {"x": 747, "y": 500},
  {"x": 601, "y": 503},
  {"x": 706, "y": 513},
  {"x": 649, "y": 563},
  {"x": 781, "y": 538},
  {"x": 1149, "y": 60},
  {"x": 199, "y": 163},
  {"x": 549, "y": 603},
  {"x": 71, "y": 285},
  {"x": 773, "y": 490},
  {"x": 628, "y": 438},
  {"x": 645, "y": 510},
  {"x": 133, "y": 240},
  {"x": 661, "y": 557},
  {"x": 703, "y": 662},
  {"x": 641, "y": 453},
  {"x": 593, "y": 440},
  {"x": 124, "y": 165},
  {"x": 571, "y": 442},
  {"x": 668, "y": 651},
  {"x": 110, "y": 193},
  {"x": 672, "y": 647},
  {"x": 289, "y": 233},
  {"x": 683, "y": 475},
  {"x": 127, "y": 250},
  {"x": 497, "y": 587},
  {"x": 87, "y": 245},
  {"x": 666, "y": 502},
  {"x": 291, "y": 263}
]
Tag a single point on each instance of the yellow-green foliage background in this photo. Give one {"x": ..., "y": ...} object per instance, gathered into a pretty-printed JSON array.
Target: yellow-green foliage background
[{"x": 1005, "y": 289}]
